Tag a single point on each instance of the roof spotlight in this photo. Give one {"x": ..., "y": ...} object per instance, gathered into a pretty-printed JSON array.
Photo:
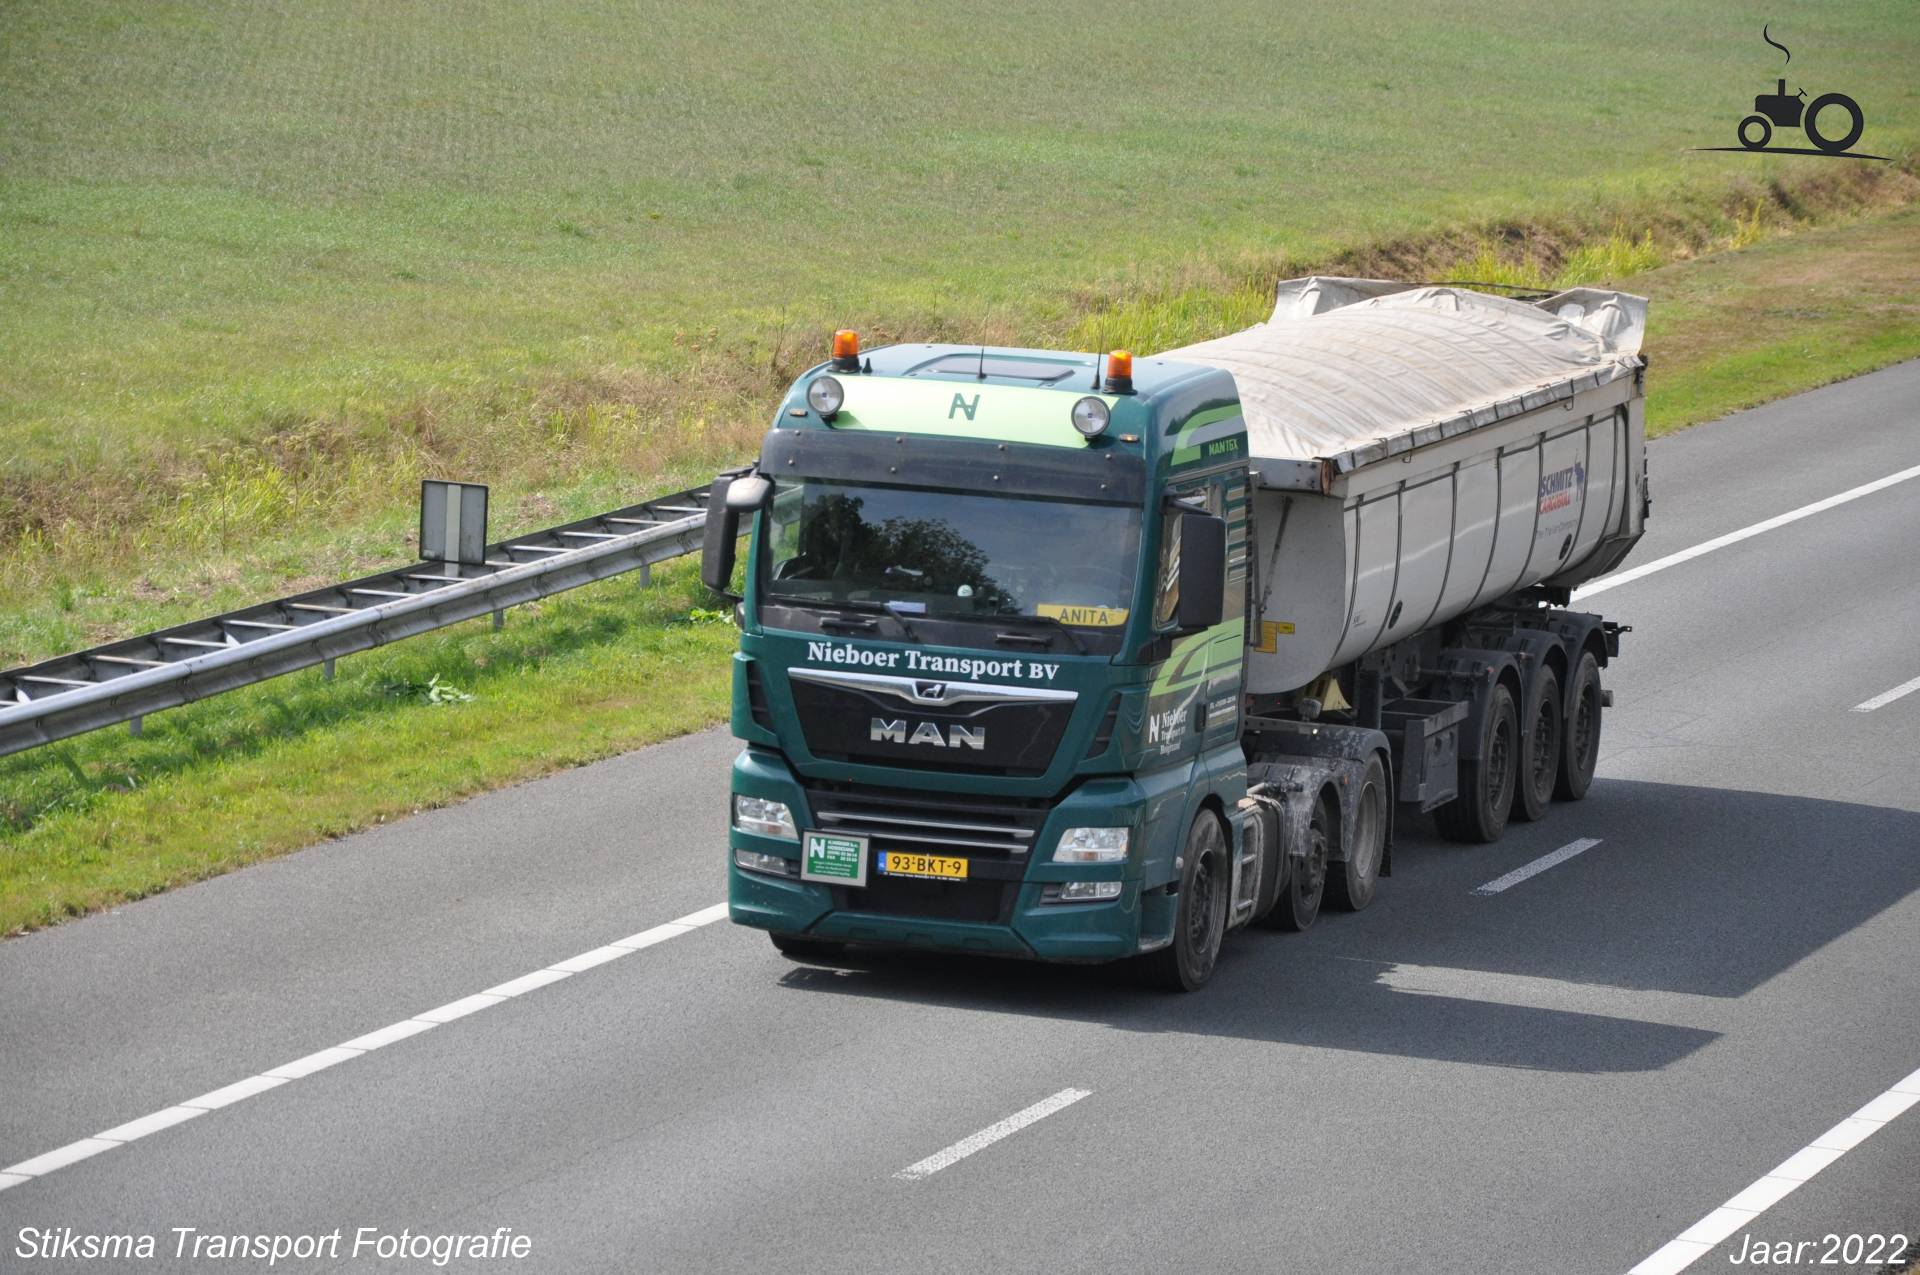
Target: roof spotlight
[
  {"x": 825, "y": 396},
  {"x": 1091, "y": 417}
]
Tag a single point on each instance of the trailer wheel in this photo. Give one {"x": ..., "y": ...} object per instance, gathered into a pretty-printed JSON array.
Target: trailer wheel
[
  {"x": 1479, "y": 813},
  {"x": 1306, "y": 883},
  {"x": 1581, "y": 752},
  {"x": 1350, "y": 885},
  {"x": 1186, "y": 964},
  {"x": 1540, "y": 757},
  {"x": 792, "y": 945}
]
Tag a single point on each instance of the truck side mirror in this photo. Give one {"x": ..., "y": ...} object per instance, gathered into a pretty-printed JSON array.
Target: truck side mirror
[
  {"x": 1203, "y": 570},
  {"x": 722, "y": 534},
  {"x": 750, "y": 493}
]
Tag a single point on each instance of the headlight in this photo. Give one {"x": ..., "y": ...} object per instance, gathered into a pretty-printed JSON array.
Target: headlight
[
  {"x": 826, "y": 395},
  {"x": 1091, "y": 845},
  {"x": 771, "y": 864},
  {"x": 768, "y": 818},
  {"x": 1081, "y": 892},
  {"x": 1090, "y": 416}
]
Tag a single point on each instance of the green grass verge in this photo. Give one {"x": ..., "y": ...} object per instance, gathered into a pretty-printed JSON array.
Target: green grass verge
[
  {"x": 104, "y": 818},
  {"x": 1737, "y": 329}
]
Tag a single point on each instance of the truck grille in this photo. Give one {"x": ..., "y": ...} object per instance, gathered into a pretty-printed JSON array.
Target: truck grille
[{"x": 929, "y": 823}]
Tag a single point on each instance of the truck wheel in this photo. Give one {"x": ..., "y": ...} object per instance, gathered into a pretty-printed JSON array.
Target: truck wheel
[
  {"x": 1540, "y": 756},
  {"x": 1479, "y": 812},
  {"x": 1307, "y": 877},
  {"x": 1581, "y": 751},
  {"x": 1350, "y": 885},
  {"x": 1186, "y": 964},
  {"x": 805, "y": 949}
]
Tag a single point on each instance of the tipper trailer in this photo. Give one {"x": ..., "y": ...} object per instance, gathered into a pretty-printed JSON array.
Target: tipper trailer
[{"x": 1051, "y": 656}]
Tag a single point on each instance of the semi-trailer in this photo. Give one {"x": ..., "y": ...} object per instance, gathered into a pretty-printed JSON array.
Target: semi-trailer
[{"x": 1057, "y": 656}]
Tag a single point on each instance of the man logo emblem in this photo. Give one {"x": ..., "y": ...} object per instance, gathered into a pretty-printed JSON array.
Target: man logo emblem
[
  {"x": 933, "y": 692},
  {"x": 883, "y": 731}
]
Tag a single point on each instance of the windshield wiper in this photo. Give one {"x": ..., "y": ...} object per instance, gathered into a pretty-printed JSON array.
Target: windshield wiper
[
  {"x": 1060, "y": 625},
  {"x": 1017, "y": 617},
  {"x": 873, "y": 608}
]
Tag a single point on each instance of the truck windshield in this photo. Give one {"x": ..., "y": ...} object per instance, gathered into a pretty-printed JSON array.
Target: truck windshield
[{"x": 951, "y": 554}]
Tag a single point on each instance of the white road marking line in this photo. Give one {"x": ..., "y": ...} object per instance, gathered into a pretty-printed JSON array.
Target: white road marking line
[
  {"x": 992, "y": 1134},
  {"x": 235, "y": 1092},
  {"x": 165, "y": 1118},
  {"x": 460, "y": 1009},
  {"x": 1785, "y": 1178},
  {"x": 1538, "y": 866},
  {"x": 61, "y": 1157},
  {"x": 325, "y": 1058},
  {"x": 387, "y": 1035},
  {"x": 1734, "y": 537},
  {"x": 1887, "y": 697},
  {"x": 587, "y": 960},
  {"x": 525, "y": 983}
]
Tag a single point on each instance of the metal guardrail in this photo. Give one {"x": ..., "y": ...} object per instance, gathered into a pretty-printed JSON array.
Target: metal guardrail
[{"x": 122, "y": 681}]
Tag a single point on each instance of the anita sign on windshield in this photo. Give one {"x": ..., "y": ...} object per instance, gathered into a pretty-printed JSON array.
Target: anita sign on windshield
[{"x": 1832, "y": 122}]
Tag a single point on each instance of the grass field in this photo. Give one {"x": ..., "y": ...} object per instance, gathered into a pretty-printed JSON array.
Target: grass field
[
  {"x": 262, "y": 268},
  {"x": 265, "y": 263}
]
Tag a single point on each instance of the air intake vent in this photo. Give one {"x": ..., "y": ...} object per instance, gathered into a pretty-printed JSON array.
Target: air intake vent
[
  {"x": 1104, "y": 736},
  {"x": 757, "y": 698}
]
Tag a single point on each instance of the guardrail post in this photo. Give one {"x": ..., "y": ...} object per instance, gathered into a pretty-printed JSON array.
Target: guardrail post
[
  {"x": 646, "y": 574},
  {"x": 326, "y": 668},
  {"x": 499, "y": 619},
  {"x": 133, "y": 727}
]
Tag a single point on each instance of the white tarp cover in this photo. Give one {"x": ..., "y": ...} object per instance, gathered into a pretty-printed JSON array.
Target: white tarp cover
[{"x": 1355, "y": 370}]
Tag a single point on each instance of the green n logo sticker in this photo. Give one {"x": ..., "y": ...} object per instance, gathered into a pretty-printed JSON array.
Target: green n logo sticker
[{"x": 960, "y": 404}]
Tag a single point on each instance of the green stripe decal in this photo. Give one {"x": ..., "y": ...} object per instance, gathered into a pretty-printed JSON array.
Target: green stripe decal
[{"x": 1206, "y": 417}]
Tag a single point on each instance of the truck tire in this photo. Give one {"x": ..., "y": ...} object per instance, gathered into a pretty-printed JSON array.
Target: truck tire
[
  {"x": 1306, "y": 885},
  {"x": 1539, "y": 768},
  {"x": 1581, "y": 751},
  {"x": 1350, "y": 885},
  {"x": 1186, "y": 964},
  {"x": 1479, "y": 812},
  {"x": 792, "y": 945}
]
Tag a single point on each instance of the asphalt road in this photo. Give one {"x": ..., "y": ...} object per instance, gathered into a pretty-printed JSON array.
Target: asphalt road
[{"x": 1560, "y": 1077}]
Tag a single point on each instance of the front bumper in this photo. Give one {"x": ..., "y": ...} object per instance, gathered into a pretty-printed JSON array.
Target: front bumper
[{"x": 1024, "y": 925}]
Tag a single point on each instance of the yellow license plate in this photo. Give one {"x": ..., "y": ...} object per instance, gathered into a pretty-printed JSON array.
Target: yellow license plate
[{"x": 932, "y": 867}]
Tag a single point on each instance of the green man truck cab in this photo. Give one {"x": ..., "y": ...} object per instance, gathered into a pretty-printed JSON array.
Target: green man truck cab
[{"x": 998, "y": 612}]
